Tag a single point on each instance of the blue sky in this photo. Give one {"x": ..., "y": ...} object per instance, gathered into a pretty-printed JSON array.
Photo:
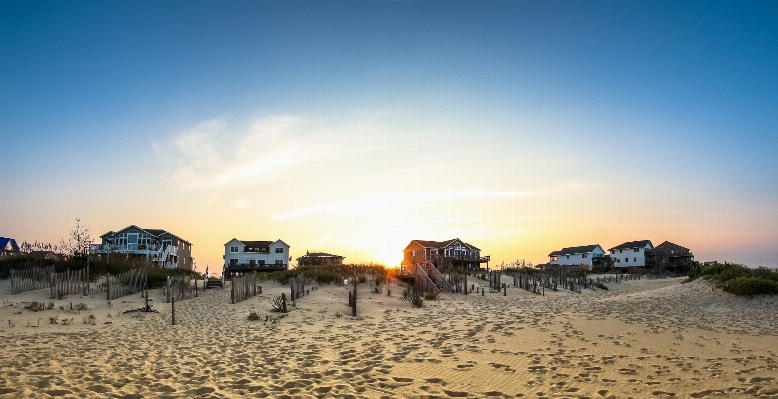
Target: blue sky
[{"x": 633, "y": 119}]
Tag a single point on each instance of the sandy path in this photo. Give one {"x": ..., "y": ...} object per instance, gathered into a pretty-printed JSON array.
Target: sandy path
[{"x": 639, "y": 339}]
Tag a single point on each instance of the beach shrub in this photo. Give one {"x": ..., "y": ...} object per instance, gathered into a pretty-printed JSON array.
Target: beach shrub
[
  {"x": 431, "y": 296},
  {"x": 253, "y": 316},
  {"x": 737, "y": 279},
  {"x": 36, "y": 306},
  {"x": 744, "y": 285},
  {"x": 329, "y": 274}
]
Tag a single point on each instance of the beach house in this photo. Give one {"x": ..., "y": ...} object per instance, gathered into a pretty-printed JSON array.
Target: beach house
[
  {"x": 453, "y": 253},
  {"x": 633, "y": 254},
  {"x": 592, "y": 256},
  {"x": 673, "y": 257},
  {"x": 243, "y": 256},
  {"x": 320, "y": 259},
  {"x": 159, "y": 246}
]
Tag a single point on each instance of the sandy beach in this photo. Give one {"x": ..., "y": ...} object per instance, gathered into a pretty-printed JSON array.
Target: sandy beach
[{"x": 640, "y": 338}]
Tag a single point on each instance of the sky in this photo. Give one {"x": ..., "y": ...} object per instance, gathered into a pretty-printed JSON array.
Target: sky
[{"x": 354, "y": 127}]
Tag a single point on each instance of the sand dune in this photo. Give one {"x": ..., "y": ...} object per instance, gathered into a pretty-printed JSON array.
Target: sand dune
[{"x": 647, "y": 338}]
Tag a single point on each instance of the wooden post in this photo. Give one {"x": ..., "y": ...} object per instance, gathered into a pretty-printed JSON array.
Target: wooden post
[
  {"x": 232, "y": 289},
  {"x": 354, "y": 308},
  {"x": 283, "y": 302},
  {"x": 173, "y": 309},
  {"x": 504, "y": 289},
  {"x": 167, "y": 289},
  {"x": 108, "y": 286},
  {"x": 86, "y": 286}
]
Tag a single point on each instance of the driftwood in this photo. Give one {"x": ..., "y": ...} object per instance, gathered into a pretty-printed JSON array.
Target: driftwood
[
  {"x": 279, "y": 304},
  {"x": 145, "y": 309}
]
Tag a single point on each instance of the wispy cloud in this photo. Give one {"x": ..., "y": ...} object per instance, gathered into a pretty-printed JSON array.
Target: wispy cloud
[
  {"x": 404, "y": 199},
  {"x": 372, "y": 201},
  {"x": 210, "y": 155}
]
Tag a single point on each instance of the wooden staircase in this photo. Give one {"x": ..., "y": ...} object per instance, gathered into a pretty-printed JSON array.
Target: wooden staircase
[{"x": 439, "y": 280}]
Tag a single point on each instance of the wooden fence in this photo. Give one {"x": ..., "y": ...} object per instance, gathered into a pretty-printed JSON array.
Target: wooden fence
[
  {"x": 35, "y": 278},
  {"x": 180, "y": 288},
  {"x": 127, "y": 283},
  {"x": 458, "y": 282},
  {"x": 69, "y": 282},
  {"x": 298, "y": 286},
  {"x": 243, "y": 287}
]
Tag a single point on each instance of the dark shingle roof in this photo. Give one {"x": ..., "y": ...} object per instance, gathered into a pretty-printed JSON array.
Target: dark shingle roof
[
  {"x": 584, "y": 249},
  {"x": 320, "y": 255},
  {"x": 442, "y": 244},
  {"x": 154, "y": 232},
  {"x": 632, "y": 244}
]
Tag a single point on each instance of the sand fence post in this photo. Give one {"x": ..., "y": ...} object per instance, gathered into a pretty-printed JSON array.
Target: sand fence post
[
  {"x": 354, "y": 308},
  {"x": 173, "y": 309},
  {"x": 283, "y": 302},
  {"x": 167, "y": 290}
]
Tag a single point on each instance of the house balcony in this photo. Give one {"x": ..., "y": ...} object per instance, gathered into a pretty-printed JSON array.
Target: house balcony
[
  {"x": 251, "y": 267},
  {"x": 152, "y": 251},
  {"x": 455, "y": 258}
]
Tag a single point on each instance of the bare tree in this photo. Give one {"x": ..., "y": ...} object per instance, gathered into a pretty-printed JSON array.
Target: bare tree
[{"x": 78, "y": 242}]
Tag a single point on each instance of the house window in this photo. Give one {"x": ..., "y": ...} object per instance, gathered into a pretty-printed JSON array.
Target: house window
[
  {"x": 279, "y": 262},
  {"x": 568, "y": 256},
  {"x": 626, "y": 260},
  {"x": 233, "y": 262},
  {"x": 233, "y": 249},
  {"x": 636, "y": 259},
  {"x": 584, "y": 255},
  {"x": 621, "y": 250},
  {"x": 637, "y": 249},
  {"x": 279, "y": 250}
]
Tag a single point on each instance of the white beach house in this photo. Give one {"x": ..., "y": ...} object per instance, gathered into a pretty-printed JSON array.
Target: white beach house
[
  {"x": 256, "y": 255},
  {"x": 583, "y": 255},
  {"x": 632, "y": 253}
]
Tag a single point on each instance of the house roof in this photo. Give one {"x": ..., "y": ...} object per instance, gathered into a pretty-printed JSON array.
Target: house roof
[
  {"x": 443, "y": 244},
  {"x": 153, "y": 232},
  {"x": 669, "y": 246},
  {"x": 633, "y": 244},
  {"x": 4, "y": 243},
  {"x": 320, "y": 255},
  {"x": 584, "y": 249}
]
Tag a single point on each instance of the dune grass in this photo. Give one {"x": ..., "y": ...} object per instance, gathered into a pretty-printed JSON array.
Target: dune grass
[
  {"x": 737, "y": 279},
  {"x": 330, "y": 274}
]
